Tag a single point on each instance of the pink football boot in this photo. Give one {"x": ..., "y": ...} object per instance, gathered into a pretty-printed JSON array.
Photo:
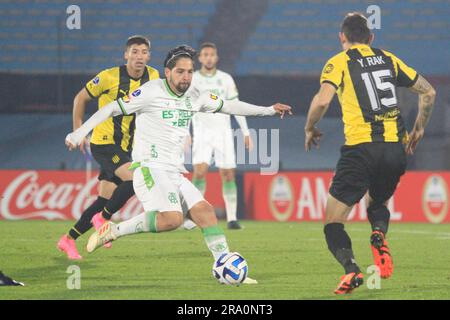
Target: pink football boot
[{"x": 68, "y": 246}]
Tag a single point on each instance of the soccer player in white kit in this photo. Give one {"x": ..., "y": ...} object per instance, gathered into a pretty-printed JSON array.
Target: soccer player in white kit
[
  {"x": 163, "y": 110},
  {"x": 213, "y": 135}
]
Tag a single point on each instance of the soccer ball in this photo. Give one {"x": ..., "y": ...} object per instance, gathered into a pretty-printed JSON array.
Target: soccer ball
[{"x": 231, "y": 268}]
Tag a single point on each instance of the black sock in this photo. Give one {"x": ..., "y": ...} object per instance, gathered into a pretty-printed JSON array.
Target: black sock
[
  {"x": 379, "y": 215},
  {"x": 118, "y": 199},
  {"x": 340, "y": 245},
  {"x": 84, "y": 223}
]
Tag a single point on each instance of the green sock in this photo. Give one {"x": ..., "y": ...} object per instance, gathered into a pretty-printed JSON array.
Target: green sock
[
  {"x": 200, "y": 184},
  {"x": 229, "y": 192},
  {"x": 215, "y": 240}
]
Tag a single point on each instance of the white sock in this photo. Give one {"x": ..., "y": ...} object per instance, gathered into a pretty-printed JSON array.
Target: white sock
[
  {"x": 145, "y": 222},
  {"x": 229, "y": 192},
  {"x": 216, "y": 241}
]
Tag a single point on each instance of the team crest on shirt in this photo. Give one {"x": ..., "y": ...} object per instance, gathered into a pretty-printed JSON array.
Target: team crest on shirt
[
  {"x": 96, "y": 80},
  {"x": 115, "y": 159},
  {"x": 329, "y": 68},
  {"x": 136, "y": 93},
  {"x": 126, "y": 99},
  {"x": 213, "y": 96}
]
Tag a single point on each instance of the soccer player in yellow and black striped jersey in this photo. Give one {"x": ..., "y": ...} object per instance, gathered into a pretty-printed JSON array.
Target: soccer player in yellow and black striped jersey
[
  {"x": 374, "y": 157},
  {"x": 112, "y": 140}
]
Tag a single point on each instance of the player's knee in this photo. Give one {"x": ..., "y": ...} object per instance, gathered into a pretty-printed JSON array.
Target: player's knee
[
  {"x": 227, "y": 175},
  {"x": 203, "y": 214},
  {"x": 200, "y": 171},
  {"x": 171, "y": 220},
  {"x": 199, "y": 175},
  {"x": 335, "y": 219},
  {"x": 124, "y": 173}
]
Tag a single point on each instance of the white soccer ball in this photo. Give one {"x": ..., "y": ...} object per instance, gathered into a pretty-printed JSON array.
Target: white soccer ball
[{"x": 231, "y": 268}]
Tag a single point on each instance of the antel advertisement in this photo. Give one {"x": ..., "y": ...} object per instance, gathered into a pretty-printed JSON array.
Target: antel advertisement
[{"x": 301, "y": 196}]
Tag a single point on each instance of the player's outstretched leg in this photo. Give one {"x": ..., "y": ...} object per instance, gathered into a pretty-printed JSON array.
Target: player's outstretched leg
[
  {"x": 379, "y": 215},
  {"x": 67, "y": 242},
  {"x": 340, "y": 245},
  {"x": 203, "y": 215},
  {"x": 152, "y": 221},
  {"x": 118, "y": 199}
]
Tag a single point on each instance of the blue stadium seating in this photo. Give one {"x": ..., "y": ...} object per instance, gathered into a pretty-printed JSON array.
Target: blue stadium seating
[
  {"x": 32, "y": 41},
  {"x": 294, "y": 37},
  {"x": 297, "y": 37}
]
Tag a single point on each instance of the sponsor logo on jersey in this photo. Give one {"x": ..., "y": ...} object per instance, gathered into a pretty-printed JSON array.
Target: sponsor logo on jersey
[
  {"x": 435, "y": 199},
  {"x": 96, "y": 80},
  {"x": 213, "y": 96},
  {"x": 281, "y": 198},
  {"x": 136, "y": 93}
]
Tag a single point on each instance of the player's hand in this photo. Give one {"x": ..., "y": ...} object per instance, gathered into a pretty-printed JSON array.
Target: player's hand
[
  {"x": 70, "y": 143},
  {"x": 312, "y": 137},
  {"x": 83, "y": 145},
  {"x": 248, "y": 143},
  {"x": 282, "y": 109},
  {"x": 414, "y": 137}
]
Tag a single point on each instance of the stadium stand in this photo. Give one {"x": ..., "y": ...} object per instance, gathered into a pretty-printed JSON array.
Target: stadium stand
[
  {"x": 297, "y": 37},
  {"x": 35, "y": 38},
  {"x": 279, "y": 57}
]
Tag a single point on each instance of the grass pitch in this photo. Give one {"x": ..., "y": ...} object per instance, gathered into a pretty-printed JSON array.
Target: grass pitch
[{"x": 290, "y": 261}]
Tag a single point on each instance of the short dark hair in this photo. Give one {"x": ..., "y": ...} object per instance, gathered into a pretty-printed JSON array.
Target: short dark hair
[
  {"x": 137, "y": 39},
  {"x": 176, "y": 53},
  {"x": 355, "y": 28},
  {"x": 207, "y": 45}
]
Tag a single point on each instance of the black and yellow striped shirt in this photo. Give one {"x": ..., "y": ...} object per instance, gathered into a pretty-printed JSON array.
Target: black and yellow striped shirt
[
  {"x": 366, "y": 80},
  {"x": 109, "y": 85}
]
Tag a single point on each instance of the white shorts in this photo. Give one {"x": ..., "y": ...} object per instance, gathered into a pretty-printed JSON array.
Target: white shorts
[
  {"x": 220, "y": 146},
  {"x": 160, "y": 190}
]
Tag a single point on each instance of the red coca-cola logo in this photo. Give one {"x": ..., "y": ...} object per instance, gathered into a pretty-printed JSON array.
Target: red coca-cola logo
[
  {"x": 55, "y": 195},
  {"x": 52, "y": 195}
]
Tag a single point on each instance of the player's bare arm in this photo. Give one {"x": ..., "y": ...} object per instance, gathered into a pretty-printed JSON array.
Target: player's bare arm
[
  {"x": 318, "y": 108},
  {"x": 79, "y": 107},
  {"x": 427, "y": 96}
]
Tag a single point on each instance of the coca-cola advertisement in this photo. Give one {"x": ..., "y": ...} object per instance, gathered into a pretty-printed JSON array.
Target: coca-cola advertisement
[{"x": 63, "y": 195}]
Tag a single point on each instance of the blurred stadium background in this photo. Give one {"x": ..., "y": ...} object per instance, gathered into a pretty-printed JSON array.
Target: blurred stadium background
[{"x": 275, "y": 49}]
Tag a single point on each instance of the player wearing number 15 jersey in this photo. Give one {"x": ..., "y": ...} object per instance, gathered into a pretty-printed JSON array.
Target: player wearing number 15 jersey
[{"x": 373, "y": 158}]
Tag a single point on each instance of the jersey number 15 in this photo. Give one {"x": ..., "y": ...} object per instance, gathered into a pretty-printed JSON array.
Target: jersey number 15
[{"x": 376, "y": 84}]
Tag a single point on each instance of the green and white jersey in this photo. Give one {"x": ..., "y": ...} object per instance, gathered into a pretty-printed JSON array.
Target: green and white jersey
[
  {"x": 223, "y": 85},
  {"x": 162, "y": 122}
]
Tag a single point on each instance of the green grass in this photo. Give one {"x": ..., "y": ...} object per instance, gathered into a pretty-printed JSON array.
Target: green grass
[{"x": 290, "y": 261}]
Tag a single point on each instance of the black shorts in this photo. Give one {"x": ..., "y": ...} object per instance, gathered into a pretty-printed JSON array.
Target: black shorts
[
  {"x": 110, "y": 157},
  {"x": 376, "y": 167}
]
